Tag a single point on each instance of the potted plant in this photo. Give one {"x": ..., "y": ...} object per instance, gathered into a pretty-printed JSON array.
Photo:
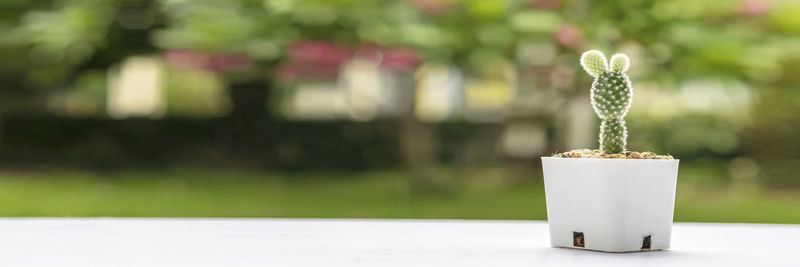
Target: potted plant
[{"x": 610, "y": 199}]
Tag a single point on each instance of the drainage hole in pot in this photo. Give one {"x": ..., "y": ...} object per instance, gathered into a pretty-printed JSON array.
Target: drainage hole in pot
[
  {"x": 577, "y": 239},
  {"x": 646, "y": 243}
]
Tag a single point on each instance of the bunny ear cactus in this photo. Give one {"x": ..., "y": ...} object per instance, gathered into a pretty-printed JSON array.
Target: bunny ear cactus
[{"x": 611, "y": 97}]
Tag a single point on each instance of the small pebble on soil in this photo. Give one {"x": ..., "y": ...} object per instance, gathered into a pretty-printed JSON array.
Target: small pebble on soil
[{"x": 597, "y": 154}]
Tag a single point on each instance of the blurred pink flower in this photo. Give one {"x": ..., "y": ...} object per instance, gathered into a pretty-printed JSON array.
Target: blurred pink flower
[
  {"x": 187, "y": 59},
  {"x": 435, "y": 7},
  {"x": 389, "y": 57},
  {"x": 568, "y": 35},
  {"x": 225, "y": 62},
  {"x": 400, "y": 58},
  {"x": 324, "y": 60},
  {"x": 369, "y": 51},
  {"x": 312, "y": 60},
  {"x": 318, "y": 53},
  {"x": 756, "y": 7}
]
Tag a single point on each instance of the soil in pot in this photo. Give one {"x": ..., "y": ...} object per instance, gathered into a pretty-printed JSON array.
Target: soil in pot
[{"x": 597, "y": 154}]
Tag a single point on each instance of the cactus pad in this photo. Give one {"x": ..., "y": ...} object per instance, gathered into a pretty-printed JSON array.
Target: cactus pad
[{"x": 611, "y": 97}]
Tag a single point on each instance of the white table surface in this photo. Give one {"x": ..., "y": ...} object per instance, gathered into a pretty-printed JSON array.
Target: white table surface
[{"x": 308, "y": 242}]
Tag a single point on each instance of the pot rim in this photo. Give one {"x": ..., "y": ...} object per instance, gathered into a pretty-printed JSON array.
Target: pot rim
[{"x": 610, "y": 159}]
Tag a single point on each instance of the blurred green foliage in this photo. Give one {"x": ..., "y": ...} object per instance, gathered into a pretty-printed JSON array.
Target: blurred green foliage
[
  {"x": 753, "y": 40},
  {"x": 63, "y": 45}
]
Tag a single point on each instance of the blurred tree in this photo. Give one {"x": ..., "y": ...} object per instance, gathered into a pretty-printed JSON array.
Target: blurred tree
[{"x": 60, "y": 40}]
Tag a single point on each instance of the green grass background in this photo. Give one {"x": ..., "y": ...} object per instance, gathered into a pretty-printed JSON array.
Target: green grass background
[{"x": 704, "y": 194}]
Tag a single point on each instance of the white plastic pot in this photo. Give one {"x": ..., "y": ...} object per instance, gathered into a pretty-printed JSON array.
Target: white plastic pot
[{"x": 612, "y": 205}]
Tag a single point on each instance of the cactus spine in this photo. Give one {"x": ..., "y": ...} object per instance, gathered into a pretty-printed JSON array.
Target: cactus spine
[{"x": 611, "y": 97}]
